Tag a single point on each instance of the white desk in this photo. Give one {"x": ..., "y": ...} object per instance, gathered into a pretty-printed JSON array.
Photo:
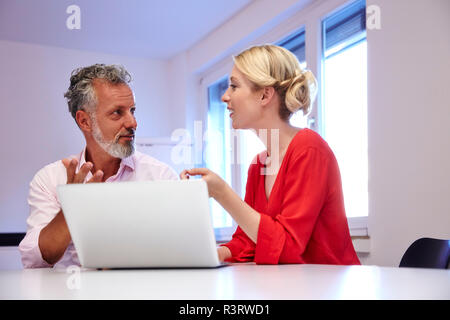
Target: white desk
[{"x": 238, "y": 281}]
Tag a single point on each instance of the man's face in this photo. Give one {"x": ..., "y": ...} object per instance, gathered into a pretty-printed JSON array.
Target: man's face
[{"x": 113, "y": 121}]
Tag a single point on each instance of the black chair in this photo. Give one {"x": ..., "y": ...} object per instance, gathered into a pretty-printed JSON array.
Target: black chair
[
  {"x": 11, "y": 239},
  {"x": 427, "y": 253}
]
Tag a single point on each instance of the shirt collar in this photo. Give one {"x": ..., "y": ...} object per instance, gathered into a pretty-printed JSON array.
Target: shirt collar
[{"x": 128, "y": 161}]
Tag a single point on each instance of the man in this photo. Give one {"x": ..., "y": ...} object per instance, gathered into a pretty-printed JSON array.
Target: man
[{"x": 102, "y": 104}]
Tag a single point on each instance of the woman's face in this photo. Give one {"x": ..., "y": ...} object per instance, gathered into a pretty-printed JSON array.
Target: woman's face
[{"x": 242, "y": 101}]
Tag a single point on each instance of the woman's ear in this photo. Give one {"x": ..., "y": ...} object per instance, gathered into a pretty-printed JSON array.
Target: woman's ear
[
  {"x": 83, "y": 120},
  {"x": 267, "y": 95}
]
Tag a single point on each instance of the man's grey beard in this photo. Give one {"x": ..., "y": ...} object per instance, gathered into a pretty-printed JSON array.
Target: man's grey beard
[{"x": 113, "y": 147}]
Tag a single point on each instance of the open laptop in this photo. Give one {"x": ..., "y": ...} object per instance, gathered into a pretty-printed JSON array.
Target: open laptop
[{"x": 140, "y": 224}]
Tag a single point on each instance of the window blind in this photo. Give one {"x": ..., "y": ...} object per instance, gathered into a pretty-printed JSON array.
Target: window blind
[
  {"x": 347, "y": 26},
  {"x": 296, "y": 44}
]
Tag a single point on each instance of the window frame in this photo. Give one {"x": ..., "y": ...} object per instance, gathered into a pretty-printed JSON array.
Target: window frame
[
  {"x": 222, "y": 234},
  {"x": 358, "y": 225}
]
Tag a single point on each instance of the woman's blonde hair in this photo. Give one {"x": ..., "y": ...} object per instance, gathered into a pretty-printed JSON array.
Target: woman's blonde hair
[{"x": 277, "y": 67}]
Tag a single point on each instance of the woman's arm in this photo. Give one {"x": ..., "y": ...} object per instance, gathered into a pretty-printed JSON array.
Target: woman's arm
[{"x": 244, "y": 215}]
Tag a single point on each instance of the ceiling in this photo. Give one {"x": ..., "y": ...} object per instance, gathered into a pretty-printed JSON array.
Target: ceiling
[{"x": 154, "y": 29}]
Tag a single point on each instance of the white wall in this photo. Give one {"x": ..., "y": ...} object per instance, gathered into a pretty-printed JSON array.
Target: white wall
[
  {"x": 409, "y": 109},
  {"x": 409, "y": 132},
  {"x": 37, "y": 128}
]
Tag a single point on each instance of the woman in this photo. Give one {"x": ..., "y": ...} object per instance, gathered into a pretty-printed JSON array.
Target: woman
[{"x": 294, "y": 208}]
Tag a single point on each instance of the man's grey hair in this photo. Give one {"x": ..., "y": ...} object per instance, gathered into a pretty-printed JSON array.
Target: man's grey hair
[{"x": 81, "y": 93}]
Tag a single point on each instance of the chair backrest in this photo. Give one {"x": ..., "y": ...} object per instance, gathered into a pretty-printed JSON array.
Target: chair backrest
[
  {"x": 10, "y": 258},
  {"x": 427, "y": 253}
]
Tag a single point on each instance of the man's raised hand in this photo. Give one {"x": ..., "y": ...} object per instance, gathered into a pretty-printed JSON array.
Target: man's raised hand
[{"x": 72, "y": 177}]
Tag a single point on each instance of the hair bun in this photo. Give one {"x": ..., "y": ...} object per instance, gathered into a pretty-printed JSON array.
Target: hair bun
[{"x": 300, "y": 91}]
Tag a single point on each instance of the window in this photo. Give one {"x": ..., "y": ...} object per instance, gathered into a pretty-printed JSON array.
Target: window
[
  {"x": 218, "y": 157},
  {"x": 296, "y": 44},
  {"x": 228, "y": 152},
  {"x": 344, "y": 101}
]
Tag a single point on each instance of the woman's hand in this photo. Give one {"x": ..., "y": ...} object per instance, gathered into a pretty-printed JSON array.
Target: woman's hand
[
  {"x": 245, "y": 216},
  {"x": 216, "y": 185},
  {"x": 223, "y": 253}
]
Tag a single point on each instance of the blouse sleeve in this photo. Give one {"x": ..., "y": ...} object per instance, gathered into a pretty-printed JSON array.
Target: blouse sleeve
[{"x": 283, "y": 238}]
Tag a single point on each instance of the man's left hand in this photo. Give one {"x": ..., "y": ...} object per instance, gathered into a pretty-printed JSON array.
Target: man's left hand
[{"x": 80, "y": 176}]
